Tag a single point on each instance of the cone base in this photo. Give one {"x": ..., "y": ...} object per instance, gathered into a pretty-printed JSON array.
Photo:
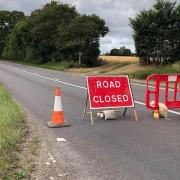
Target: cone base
[{"x": 51, "y": 125}]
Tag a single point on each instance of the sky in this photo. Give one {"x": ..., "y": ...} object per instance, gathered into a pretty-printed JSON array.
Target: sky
[{"x": 116, "y": 14}]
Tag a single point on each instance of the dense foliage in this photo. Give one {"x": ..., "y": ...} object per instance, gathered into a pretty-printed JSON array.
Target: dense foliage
[
  {"x": 157, "y": 33},
  {"x": 7, "y": 22},
  {"x": 55, "y": 33},
  {"x": 122, "y": 51}
]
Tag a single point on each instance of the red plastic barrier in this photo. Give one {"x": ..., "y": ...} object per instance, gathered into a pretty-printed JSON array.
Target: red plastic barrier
[{"x": 158, "y": 78}]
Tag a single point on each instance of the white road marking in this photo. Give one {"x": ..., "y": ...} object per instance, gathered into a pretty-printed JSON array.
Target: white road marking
[
  {"x": 61, "y": 140},
  {"x": 47, "y": 163},
  {"x": 174, "y": 112},
  {"x": 141, "y": 103},
  {"x": 62, "y": 175},
  {"x": 45, "y": 77},
  {"x": 168, "y": 119},
  {"x": 143, "y": 85},
  {"x": 74, "y": 85},
  {"x": 171, "y": 111}
]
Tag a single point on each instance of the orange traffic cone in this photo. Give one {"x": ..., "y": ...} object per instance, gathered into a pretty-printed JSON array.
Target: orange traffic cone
[{"x": 58, "y": 116}]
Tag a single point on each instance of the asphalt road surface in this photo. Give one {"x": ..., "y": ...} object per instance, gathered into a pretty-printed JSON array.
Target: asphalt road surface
[{"x": 121, "y": 149}]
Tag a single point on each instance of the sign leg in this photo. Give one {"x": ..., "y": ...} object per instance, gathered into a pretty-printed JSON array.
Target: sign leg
[
  {"x": 85, "y": 106},
  {"x": 124, "y": 111},
  {"x": 84, "y": 113},
  {"x": 92, "y": 122},
  {"x": 135, "y": 114}
]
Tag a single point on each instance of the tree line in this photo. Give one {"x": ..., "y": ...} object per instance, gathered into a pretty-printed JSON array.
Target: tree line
[
  {"x": 54, "y": 33},
  {"x": 57, "y": 32},
  {"x": 156, "y": 33},
  {"x": 122, "y": 51}
]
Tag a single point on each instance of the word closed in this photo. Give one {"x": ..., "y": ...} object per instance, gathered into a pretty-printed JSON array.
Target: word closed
[{"x": 109, "y": 92}]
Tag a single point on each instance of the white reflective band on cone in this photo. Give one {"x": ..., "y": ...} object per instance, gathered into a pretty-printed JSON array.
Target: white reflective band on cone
[{"x": 57, "y": 104}]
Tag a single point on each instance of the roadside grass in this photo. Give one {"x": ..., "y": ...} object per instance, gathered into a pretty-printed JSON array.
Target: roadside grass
[
  {"x": 144, "y": 73},
  {"x": 11, "y": 135},
  {"x": 61, "y": 66},
  {"x": 55, "y": 66}
]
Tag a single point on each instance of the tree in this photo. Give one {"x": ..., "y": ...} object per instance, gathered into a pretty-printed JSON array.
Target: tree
[
  {"x": 156, "y": 33},
  {"x": 17, "y": 41},
  {"x": 82, "y": 35},
  {"x": 44, "y": 27},
  {"x": 114, "y": 52},
  {"x": 123, "y": 51},
  {"x": 7, "y": 22}
]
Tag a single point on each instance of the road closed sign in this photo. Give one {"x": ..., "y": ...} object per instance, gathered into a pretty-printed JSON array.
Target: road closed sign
[{"x": 109, "y": 92}]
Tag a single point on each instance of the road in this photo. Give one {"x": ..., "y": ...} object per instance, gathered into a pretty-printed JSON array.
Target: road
[{"x": 122, "y": 149}]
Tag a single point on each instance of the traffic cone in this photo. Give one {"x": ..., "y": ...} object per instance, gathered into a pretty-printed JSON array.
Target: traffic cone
[
  {"x": 58, "y": 116},
  {"x": 156, "y": 114}
]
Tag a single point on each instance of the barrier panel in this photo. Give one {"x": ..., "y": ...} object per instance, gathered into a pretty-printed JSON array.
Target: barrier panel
[
  {"x": 166, "y": 78},
  {"x": 106, "y": 92}
]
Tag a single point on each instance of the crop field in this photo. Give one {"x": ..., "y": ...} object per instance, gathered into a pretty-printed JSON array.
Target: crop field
[{"x": 120, "y": 59}]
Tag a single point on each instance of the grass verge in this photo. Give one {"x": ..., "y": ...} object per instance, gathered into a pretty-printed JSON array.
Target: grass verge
[
  {"x": 144, "y": 73},
  {"x": 11, "y": 134},
  {"x": 52, "y": 66}
]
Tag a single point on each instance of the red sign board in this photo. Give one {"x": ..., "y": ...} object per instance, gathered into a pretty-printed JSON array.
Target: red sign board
[{"x": 109, "y": 92}]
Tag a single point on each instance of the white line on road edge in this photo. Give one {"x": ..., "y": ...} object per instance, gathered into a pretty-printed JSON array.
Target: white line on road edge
[
  {"x": 62, "y": 175},
  {"x": 45, "y": 77},
  {"x": 144, "y": 85},
  {"x": 141, "y": 103},
  {"x": 171, "y": 111},
  {"x": 74, "y": 85},
  {"x": 174, "y": 112}
]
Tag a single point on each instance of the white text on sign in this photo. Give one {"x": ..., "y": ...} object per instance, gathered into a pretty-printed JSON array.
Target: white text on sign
[
  {"x": 112, "y": 98},
  {"x": 106, "y": 84}
]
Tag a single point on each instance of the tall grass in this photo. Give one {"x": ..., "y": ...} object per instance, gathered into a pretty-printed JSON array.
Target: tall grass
[
  {"x": 168, "y": 69},
  {"x": 55, "y": 66},
  {"x": 11, "y": 133}
]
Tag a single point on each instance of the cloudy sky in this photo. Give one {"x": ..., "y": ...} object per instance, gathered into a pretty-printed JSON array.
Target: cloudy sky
[{"x": 116, "y": 14}]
